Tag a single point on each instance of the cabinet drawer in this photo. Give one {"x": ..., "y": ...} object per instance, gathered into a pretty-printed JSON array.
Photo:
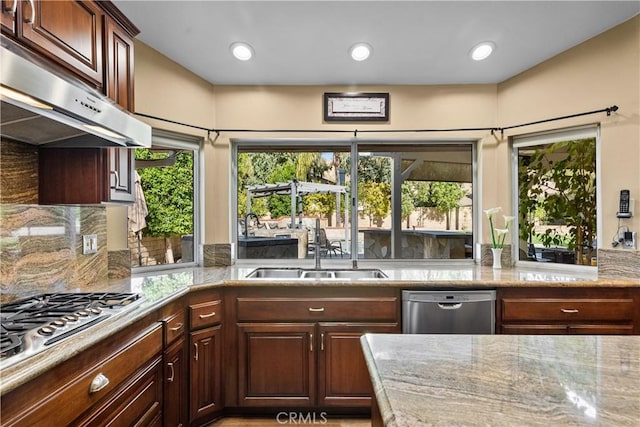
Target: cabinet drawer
[
  {"x": 567, "y": 309},
  {"x": 137, "y": 403},
  {"x": 205, "y": 314},
  {"x": 304, "y": 309},
  {"x": 174, "y": 327},
  {"x": 76, "y": 392}
]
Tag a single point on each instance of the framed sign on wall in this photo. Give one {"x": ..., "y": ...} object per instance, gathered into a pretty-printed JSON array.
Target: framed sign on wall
[{"x": 339, "y": 107}]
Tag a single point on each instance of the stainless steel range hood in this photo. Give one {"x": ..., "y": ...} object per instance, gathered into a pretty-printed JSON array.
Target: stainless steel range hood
[{"x": 40, "y": 107}]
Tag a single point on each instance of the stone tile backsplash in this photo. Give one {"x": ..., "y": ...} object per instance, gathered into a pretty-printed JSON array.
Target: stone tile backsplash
[{"x": 41, "y": 247}]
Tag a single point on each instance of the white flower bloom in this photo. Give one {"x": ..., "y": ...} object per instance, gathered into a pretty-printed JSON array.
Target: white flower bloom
[
  {"x": 492, "y": 211},
  {"x": 508, "y": 219},
  {"x": 502, "y": 231}
]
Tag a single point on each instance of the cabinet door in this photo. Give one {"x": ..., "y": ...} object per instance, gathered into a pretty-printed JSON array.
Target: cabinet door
[
  {"x": 121, "y": 171},
  {"x": 206, "y": 373},
  {"x": 68, "y": 32},
  {"x": 119, "y": 56},
  {"x": 343, "y": 377},
  {"x": 8, "y": 17},
  {"x": 175, "y": 385},
  {"x": 86, "y": 175},
  {"x": 276, "y": 364},
  {"x": 72, "y": 175}
]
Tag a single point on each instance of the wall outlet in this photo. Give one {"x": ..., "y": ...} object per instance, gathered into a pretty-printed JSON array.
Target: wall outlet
[
  {"x": 89, "y": 244},
  {"x": 630, "y": 240}
]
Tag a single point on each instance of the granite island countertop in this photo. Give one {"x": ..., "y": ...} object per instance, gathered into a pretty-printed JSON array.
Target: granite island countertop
[
  {"x": 505, "y": 380},
  {"x": 163, "y": 286}
]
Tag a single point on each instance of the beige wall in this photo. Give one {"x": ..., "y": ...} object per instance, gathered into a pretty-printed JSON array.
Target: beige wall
[
  {"x": 596, "y": 74},
  {"x": 300, "y": 107}
]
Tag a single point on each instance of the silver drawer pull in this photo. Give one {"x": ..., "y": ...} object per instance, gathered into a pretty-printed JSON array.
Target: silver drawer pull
[
  {"x": 98, "y": 383},
  {"x": 195, "y": 354},
  {"x": 204, "y": 316},
  {"x": 177, "y": 327},
  {"x": 569, "y": 310},
  {"x": 316, "y": 310}
]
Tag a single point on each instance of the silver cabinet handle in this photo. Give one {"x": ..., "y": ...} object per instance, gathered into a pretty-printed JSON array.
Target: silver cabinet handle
[
  {"x": 204, "y": 316},
  {"x": 98, "y": 383},
  {"x": 117, "y": 183},
  {"x": 170, "y": 365},
  {"x": 310, "y": 342},
  {"x": 177, "y": 327},
  {"x": 316, "y": 310},
  {"x": 322, "y": 342},
  {"x": 195, "y": 355},
  {"x": 13, "y": 9},
  {"x": 33, "y": 13},
  {"x": 569, "y": 310}
]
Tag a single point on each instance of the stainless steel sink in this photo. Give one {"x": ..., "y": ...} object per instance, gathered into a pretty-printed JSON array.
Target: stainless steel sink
[
  {"x": 365, "y": 273},
  {"x": 322, "y": 274},
  {"x": 275, "y": 273}
]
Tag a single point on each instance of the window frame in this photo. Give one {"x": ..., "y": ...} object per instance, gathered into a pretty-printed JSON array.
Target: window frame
[
  {"x": 350, "y": 145},
  {"x": 170, "y": 139},
  {"x": 550, "y": 137}
]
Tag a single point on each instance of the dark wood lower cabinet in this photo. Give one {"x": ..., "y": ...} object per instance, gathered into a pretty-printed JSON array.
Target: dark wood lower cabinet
[
  {"x": 138, "y": 402},
  {"x": 568, "y": 311},
  {"x": 205, "y": 394},
  {"x": 343, "y": 377},
  {"x": 175, "y": 385},
  {"x": 129, "y": 366},
  {"x": 276, "y": 364}
]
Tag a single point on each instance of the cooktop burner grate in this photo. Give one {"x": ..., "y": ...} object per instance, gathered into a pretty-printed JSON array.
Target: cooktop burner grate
[
  {"x": 9, "y": 344},
  {"x": 30, "y": 324}
]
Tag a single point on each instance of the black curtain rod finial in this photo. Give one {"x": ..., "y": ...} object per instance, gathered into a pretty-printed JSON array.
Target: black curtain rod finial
[{"x": 611, "y": 109}]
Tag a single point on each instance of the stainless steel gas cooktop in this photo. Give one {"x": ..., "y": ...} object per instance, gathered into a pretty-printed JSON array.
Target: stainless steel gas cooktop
[{"x": 31, "y": 325}]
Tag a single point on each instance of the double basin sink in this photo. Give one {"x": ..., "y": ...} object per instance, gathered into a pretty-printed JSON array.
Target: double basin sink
[{"x": 321, "y": 274}]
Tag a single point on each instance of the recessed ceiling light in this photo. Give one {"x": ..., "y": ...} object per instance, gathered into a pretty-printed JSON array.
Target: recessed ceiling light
[
  {"x": 241, "y": 51},
  {"x": 360, "y": 51},
  {"x": 482, "y": 51}
]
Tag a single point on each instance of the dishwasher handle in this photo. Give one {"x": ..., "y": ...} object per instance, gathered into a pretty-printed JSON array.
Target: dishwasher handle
[{"x": 449, "y": 305}]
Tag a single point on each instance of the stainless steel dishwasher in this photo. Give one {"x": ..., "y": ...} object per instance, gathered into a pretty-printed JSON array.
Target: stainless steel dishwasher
[{"x": 449, "y": 312}]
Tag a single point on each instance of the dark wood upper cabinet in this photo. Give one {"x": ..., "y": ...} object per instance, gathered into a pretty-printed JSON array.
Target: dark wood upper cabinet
[
  {"x": 86, "y": 175},
  {"x": 9, "y": 9},
  {"x": 67, "y": 32},
  {"x": 119, "y": 60},
  {"x": 90, "y": 40}
]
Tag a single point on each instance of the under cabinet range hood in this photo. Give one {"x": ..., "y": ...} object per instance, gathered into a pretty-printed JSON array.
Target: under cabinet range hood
[{"x": 40, "y": 107}]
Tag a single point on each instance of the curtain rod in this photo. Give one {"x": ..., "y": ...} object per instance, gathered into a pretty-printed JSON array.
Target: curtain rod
[{"x": 355, "y": 132}]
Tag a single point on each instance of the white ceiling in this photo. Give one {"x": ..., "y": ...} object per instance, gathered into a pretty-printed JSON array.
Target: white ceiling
[{"x": 414, "y": 42}]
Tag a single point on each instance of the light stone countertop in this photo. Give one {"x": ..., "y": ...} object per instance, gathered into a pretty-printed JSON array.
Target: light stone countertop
[
  {"x": 505, "y": 380},
  {"x": 163, "y": 286}
]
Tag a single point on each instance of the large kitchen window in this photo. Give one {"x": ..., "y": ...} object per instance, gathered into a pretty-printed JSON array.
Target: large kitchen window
[
  {"x": 555, "y": 195},
  {"x": 406, "y": 200},
  {"x": 162, "y": 221}
]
